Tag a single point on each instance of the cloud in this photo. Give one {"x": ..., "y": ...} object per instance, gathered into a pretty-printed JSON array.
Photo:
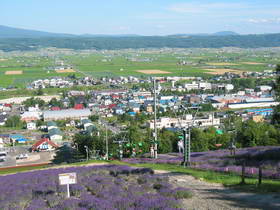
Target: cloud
[
  {"x": 264, "y": 20},
  {"x": 194, "y": 7}
]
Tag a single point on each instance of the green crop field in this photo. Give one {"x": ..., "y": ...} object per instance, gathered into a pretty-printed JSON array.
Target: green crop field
[{"x": 40, "y": 65}]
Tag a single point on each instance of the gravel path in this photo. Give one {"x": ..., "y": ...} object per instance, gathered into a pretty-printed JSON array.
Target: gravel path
[{"x": 212, "y": 196}]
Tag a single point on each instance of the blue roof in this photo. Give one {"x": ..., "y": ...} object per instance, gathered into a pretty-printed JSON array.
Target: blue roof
[
  {"x": 16, "y": 136},
  {"x": 132, "y": 113},
  {"x": 22, "y": 139},
  {"x": 260, "y": 110}
]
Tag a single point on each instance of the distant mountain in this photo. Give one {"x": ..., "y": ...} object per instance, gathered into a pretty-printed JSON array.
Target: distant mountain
[
  {"x": 221, "y": 33},
  {"x": 10, "y": 32},
  {"x": 13, "y": 39},
  {"x": 109, "y": 35},
  {"x": 225, "y": 33}
]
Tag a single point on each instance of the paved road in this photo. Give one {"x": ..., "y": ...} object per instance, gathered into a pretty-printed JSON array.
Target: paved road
[
  {"x": 114, "y": 129},
  {"x": 213, "y": 196},
  {"x": 37, "y": 157}
]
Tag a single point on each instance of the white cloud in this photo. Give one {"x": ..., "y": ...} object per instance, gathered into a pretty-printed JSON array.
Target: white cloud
[
  {"x": 195, "y": 7},
  {"x": 264, "y": 20}
]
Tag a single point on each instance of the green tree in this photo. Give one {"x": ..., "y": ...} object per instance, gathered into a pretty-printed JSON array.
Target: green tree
[
  {"x": 199, "y": 141},
  {"x": 14, "y": 122},
  {"x": 94, "y": 118},
  {"x": 55, "y": 102},
  {"x": 166, "y": 141},
  {"x": 32, "y": 102},
  {"x": 276, "y": 87}
]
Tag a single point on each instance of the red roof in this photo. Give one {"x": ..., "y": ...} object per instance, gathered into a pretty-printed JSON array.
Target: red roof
[
  {"x": 55, "y": 108},
  {"x": 115, "y": 96},
  {"x": 111, "y": 106},
  {"x": 79, "y": 106},
  {"x": 38, "y": 143},
  {"x": 8, "y": 105}
]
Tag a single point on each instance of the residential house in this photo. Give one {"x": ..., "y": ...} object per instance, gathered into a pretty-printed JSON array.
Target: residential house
[
  {"x": 31, "y": 126},
  {"x": 3, "y": 118},
  {"x": 51, "y": 125},
  {"x": 55, "y": 135},
  {"x": 43, "y": 145},
  {"x": 86, "y": 123}
]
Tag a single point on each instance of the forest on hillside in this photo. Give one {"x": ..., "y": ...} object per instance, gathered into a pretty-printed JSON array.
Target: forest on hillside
[{"x": 114, "y": 43}]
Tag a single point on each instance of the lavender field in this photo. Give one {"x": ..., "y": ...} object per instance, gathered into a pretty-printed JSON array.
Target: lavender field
[
  {"x": 98, "y": 187},
  {"x": 221, "y": 161}
]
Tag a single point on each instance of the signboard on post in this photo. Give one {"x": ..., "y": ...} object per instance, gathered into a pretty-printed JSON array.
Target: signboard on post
[{"x": 67, "y": 179}]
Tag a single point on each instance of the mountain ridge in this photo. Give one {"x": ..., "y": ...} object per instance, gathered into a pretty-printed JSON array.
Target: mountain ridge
[{"x": 13, "y": 32}]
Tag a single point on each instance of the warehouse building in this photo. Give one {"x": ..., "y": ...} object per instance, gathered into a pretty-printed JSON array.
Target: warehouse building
[{"x": 73, "y": 114}]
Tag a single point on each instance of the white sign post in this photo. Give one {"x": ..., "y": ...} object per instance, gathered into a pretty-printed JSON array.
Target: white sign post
[{"x": 67, "y": 179}]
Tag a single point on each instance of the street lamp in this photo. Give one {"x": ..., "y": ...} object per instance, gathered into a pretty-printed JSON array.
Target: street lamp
[
  {"x": 77, "y": 146},
  {"x": 107, "y": 148},
  {"x": 106, "y": 139}
]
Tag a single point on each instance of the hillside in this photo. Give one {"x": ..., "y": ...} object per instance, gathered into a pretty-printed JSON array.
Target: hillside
[
  {"x": 111, "y": 43},
  {"x": 10, "y": 32},
  {"x": 20, "y": 39}
]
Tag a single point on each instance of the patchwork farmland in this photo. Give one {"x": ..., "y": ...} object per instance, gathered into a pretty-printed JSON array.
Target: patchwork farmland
[{"x": 17, "y": 69}]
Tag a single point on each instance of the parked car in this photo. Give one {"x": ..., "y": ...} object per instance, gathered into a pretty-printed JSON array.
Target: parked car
[
  {"x": 3, "y": 156},
  {"x": 22, "y": 156}
]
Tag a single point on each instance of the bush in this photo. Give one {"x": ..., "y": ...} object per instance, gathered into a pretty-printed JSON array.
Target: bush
[{"x": 182, "y": 193}]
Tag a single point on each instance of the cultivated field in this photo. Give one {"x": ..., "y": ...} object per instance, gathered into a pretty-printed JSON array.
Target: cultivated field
[
  {"x": 222, "y": 64},
  {"x": 222, "y": 71},
  {"x": 154, "y": 72},
  {"x": 65, "y": 71},
  {"x": 13, "y": 72},
  {"x": 156, "y": 62},
  {"x": 252, "y": 63}
]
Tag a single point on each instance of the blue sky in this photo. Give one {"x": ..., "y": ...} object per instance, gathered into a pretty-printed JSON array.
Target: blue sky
[{"x": 146, "y": 17}]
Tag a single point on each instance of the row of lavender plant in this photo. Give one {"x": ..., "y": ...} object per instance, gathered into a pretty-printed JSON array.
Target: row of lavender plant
[
  {"x": 222, "y": 161},
  {"x": 98, "y": 187}
]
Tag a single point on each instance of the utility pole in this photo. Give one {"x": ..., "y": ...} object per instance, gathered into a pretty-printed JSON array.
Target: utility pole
[
  {"x": 86, "y": 147},
  {"x": 107, "y": 149},
  {"x": 155, "y": 120},
  {"x": 187, "y": 140}
]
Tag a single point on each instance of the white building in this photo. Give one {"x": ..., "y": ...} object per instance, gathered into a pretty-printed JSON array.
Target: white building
[
  {"x": 66, "y": 114},
  {"x": 31, "y": 126},
  {"x": 166, "y": 122},
  {"x": 191, "y": 86},
  {"x": 31, "y": 116}
]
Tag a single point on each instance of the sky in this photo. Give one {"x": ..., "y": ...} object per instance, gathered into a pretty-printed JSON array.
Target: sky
[{"x": 143, "y": 17}]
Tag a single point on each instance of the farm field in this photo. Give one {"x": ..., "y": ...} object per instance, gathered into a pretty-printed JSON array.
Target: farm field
[{"x": 18, "y": 69}]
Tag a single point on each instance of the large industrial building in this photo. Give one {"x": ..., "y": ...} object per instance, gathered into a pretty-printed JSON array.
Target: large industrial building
[{"x": 74, "y": 114}]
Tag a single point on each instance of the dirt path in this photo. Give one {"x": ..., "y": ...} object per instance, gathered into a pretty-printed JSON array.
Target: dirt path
[{"x": 212, "y": 196}]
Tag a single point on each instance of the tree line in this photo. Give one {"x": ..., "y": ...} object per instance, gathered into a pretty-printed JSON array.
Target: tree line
[{"x": 113, "y": 43}]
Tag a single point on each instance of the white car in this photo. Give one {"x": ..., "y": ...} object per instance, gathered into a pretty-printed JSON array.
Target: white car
[
  {"x": 3, "y": 156},
  {"x": 22, "y": 156}
]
